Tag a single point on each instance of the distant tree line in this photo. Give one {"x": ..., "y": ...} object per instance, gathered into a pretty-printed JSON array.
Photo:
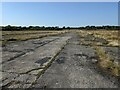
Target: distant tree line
[
  {"x": 19, "y": 28},
  {"x": 101, "y": 27}
]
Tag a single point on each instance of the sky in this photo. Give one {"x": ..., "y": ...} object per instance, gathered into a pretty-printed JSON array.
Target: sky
[
  {"x": 59, "y": 13},
  {"x": 60, "y": 0}
]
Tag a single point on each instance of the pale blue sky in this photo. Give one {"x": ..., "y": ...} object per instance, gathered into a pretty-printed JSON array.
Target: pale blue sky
[{"x": 60, "y": 14}]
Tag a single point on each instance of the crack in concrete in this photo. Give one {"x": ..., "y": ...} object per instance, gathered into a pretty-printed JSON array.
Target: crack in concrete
[
  {"x": 13, "y": 58},
  {"x": 49, "y": 64},
  {"x": 31, "y": 70}
]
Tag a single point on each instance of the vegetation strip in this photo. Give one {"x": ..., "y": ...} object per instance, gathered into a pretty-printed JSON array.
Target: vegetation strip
[{"x": 23, "y": 36}]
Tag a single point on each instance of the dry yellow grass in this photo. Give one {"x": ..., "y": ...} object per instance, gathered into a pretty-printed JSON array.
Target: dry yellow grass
[
  {"x": 27, "y": 32},
  {"x": 8, "y": 36},
  {"x": 110, "y": 35}
]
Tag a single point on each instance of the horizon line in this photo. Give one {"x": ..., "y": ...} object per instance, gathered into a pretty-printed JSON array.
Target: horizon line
[{"x": 56, "y": 25}]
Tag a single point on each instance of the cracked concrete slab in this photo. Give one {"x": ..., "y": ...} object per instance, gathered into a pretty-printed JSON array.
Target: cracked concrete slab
[
  {"x": 32, "y": 63},
  {"x": 28, "y": 61}
]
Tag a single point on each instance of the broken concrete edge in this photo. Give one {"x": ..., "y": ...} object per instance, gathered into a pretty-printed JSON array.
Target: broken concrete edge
[
  {"x": 110, "y": 72},
  {"x": 48, "y": 64},
  {"x": 83, "y": 42}
]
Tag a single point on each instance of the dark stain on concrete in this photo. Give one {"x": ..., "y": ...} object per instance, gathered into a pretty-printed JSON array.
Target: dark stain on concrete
[
  {"x": 60, "y": 60},
  {"x": 43, "y": 60}
]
